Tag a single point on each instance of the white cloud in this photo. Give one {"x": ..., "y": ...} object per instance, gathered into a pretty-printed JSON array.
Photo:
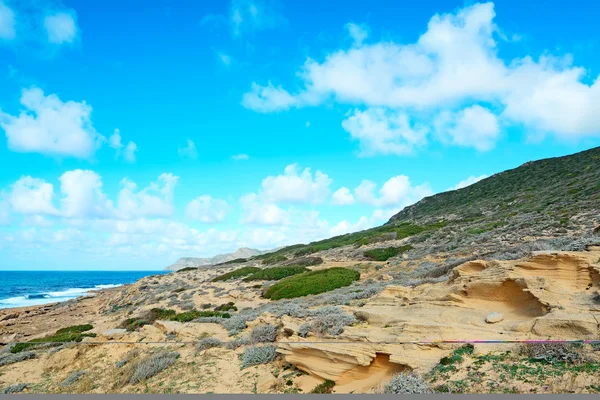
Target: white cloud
[
  {"x": 49, "y": 126},
  {"x": 129, "y": 151},
  {"x": 189, "y": 151},
  {"x": 474, "y": 126},
  {"x": 396, "y": 192},
  {"x": 207, "y": 209},
  {"x": 342, "y": 197},
  {"x": 83, "y": 196},
  {"x": 254, "y": 211},
  {"x": 7, "y": 22},
  {"x": 241, "y": 157},
  {"x": 61, "y": 27},
  {"x": 344, "y": 227},
  {"x": 32, "y": 196},
  {"x": 295, "y": 187},
  {"x": 224, "y": 58},
  {"x": 155, "y": 200},
  {"x": 253, "y": 15},
  {"x": 382, "y": 131},
  {"x": 453, "y": 67},
  {"x": 358, "y": 33},
  {"x": 468, "y": 182}
]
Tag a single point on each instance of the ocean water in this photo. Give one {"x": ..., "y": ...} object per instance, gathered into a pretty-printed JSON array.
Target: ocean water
[{"x": 28, "y": 288}]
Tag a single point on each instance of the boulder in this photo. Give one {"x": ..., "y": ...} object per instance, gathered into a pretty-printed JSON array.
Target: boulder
[{"x": 494, "y": 317}]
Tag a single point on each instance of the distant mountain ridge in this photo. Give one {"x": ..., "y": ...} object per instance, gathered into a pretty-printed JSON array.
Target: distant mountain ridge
[{"x": 194, "y": 262}]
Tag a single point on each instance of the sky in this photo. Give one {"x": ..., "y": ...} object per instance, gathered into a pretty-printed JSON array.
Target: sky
[{"x": 132, "y": 136}]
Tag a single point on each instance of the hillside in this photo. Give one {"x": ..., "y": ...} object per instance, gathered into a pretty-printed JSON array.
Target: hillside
[
  {"x": 513, "y": 258},
  {"x": 195, "y": 262}
]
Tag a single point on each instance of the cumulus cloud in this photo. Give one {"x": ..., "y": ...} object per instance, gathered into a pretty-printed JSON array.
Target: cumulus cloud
[
  {"x": 296, "y": 187},
  {"x": 128, "y": 152},
  {"x": 7, "y": 22},
  {"x": 357, "y": 32},
  {"x": 342, "y": 197},
  {"x": 382, "y": 131},
  {"x": 32, "y": 196},
  {"x": 61, "y": 27},
  {"x": 344, "y": 227},
  {"x": 155, "y": 200},
  {"x": 207, "y": 209},
  {"x": 255, "y": 211},
  {"x": 396, "y": 192},
  {"x": 468, "y": 182},
  {"x": 83, "y": 196},
  {"x": 430, "y": 79},
  {"x": 51, "y": 126},
  {"x": 189, "y": 151}
]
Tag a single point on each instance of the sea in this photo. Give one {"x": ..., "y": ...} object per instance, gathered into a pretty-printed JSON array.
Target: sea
[{"x": 29, "y": 288}]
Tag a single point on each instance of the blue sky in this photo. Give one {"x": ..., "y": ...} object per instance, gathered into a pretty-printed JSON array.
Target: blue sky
[{"x": 132, "y": 136}]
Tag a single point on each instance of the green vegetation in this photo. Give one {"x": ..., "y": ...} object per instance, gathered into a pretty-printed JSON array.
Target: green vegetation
[
  {"x": 238, "y": 273},
  {"x": 271, "y": 259},
  {"x": 156, "y": 314},
  {"x": 187, "y": 269},
  {"x": 383, "y": 254},
  {"x": 235, "y": 261},
  {"x": 275, "y": 273},
  {"x": 313, "y": 282},
  {"x": 64, "y": 335},
  {"x": 75, "y": 329},
  {"x": 226, "y": 307},
  {"x": 193, "y": 314},
  {"x": 324, "y": 388}
]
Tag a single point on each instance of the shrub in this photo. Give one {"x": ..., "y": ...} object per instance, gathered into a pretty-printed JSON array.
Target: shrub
[
  {"x": 324, "y": 388},
  {"x": 160, "y": 314},
  {"x": 273, "y": 259},
  {"x": 151, "y": 365},
  {"x": 133, "y": 324},
  {"x": 313, "y": 282},
  {"x": 71, "y": 379},
  {"x": 383, "y": 254},
  {"x": 67, "y": 337},
  {"x": 194, "y": 314},
  {"x": 235, "y": 261},
  {"x": 264, "y": 333},
  {"x": 132, "y": 355},
  {"x": 208, "y": 343},
  {"x": 331, "y": 321},
  {"x": 75, "y": 329},
  {"x": 15, "y": 358},
  {"x": 275, "y": 273},
  {"x": 16, "y": 388},
  {"x": 238, "y": 273},
  {"x": 407, "y": 384},
  {"x": 187, "y": 269},
  {"x": 256, "y": 355},
  {"x": 304, "y": 329},
  {"x": 553, "y": 352},
  {"x": 305, "y": 261},
  {"x": 290, "y": 309},
  {"x": 226, "y": 307},
  {"x": 238, "y": 342}
]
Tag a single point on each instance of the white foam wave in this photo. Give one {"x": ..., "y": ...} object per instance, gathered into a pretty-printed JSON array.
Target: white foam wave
[{"x": 51, "y": 297}]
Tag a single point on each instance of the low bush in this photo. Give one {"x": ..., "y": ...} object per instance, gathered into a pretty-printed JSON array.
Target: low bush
[
  {"x": 132, "y": 355},
  {"x": 304, "y": 329},
  {"x": 273, "y": 259},
  {"x": 235, "y": 261},
  {"x": 313, "y": 282},
  {"x": 383, "y": 254},
  {"x": 256, "y": 355},
  {"x": 324, "y": 388},
  {"x": 238, "y": 342},
  {"x": 66, "y": 337},
  {"x": 331, "y": 320},
  {"x": 16, "y": 388},
  {"x": 226, "y": 307},
  {"x": 208, "y": 343},
  {"x": 276, "y": 273},
  {"x": 9, "y": 358},
  {"x": 305, "y": 261},
  {"x": 75, "y": 329},
  {"x": 186, "y": 269},
  {"x": 71, "y": 379},
  {"x": 194, "y": 314},
  {"x": 553, "y": 352},
  {"x": 407, "y": 384},
  {"x": 238, "y": 273},
  {"x": 264, "y": 333},
  {"x": 150, "y": 366}
]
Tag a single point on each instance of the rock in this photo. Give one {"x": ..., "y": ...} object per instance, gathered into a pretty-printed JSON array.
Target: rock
[
  {"x": 9, "y": 316},
  {"x": 114, "y": 332},
  {"x": 494, "y": 317}
]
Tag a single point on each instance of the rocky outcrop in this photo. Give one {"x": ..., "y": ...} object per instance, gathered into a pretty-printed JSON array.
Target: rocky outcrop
[{"x": 194, "y": 262}]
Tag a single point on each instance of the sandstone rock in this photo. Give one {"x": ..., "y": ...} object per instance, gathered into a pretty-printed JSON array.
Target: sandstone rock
[{"x": 494, "y": 317}]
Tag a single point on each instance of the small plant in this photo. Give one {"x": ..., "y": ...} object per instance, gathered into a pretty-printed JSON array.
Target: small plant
[
  {"x": 553, "y": 352},
  {"x": 238, "y": 342},
  {"x": 15, "y": 358},
  {"x": 238, "y": 273},
  {"x": 208, "y": 343},
  {"x": 331, "y": 321},
  {"x": 256, "y": 355},
  {"x": 407, "y": 384},
  {"x": 313, "y": 282},
  {"x": 304, "y": 329},
  {"x": 133, "y": 354},
  {"x": 264, "y": 333},
  {"x": 324, "y": 388},
  {"x": 383, "y": 254},
  {"x": 151, "y": 365},
  {"x": 75, "y": 329},
  {"x": 226, "y": 307},
  {"x": 16, "y": 388},
  {"x": 276, "y": 273},
  {"x": 71, "y": 379}
]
